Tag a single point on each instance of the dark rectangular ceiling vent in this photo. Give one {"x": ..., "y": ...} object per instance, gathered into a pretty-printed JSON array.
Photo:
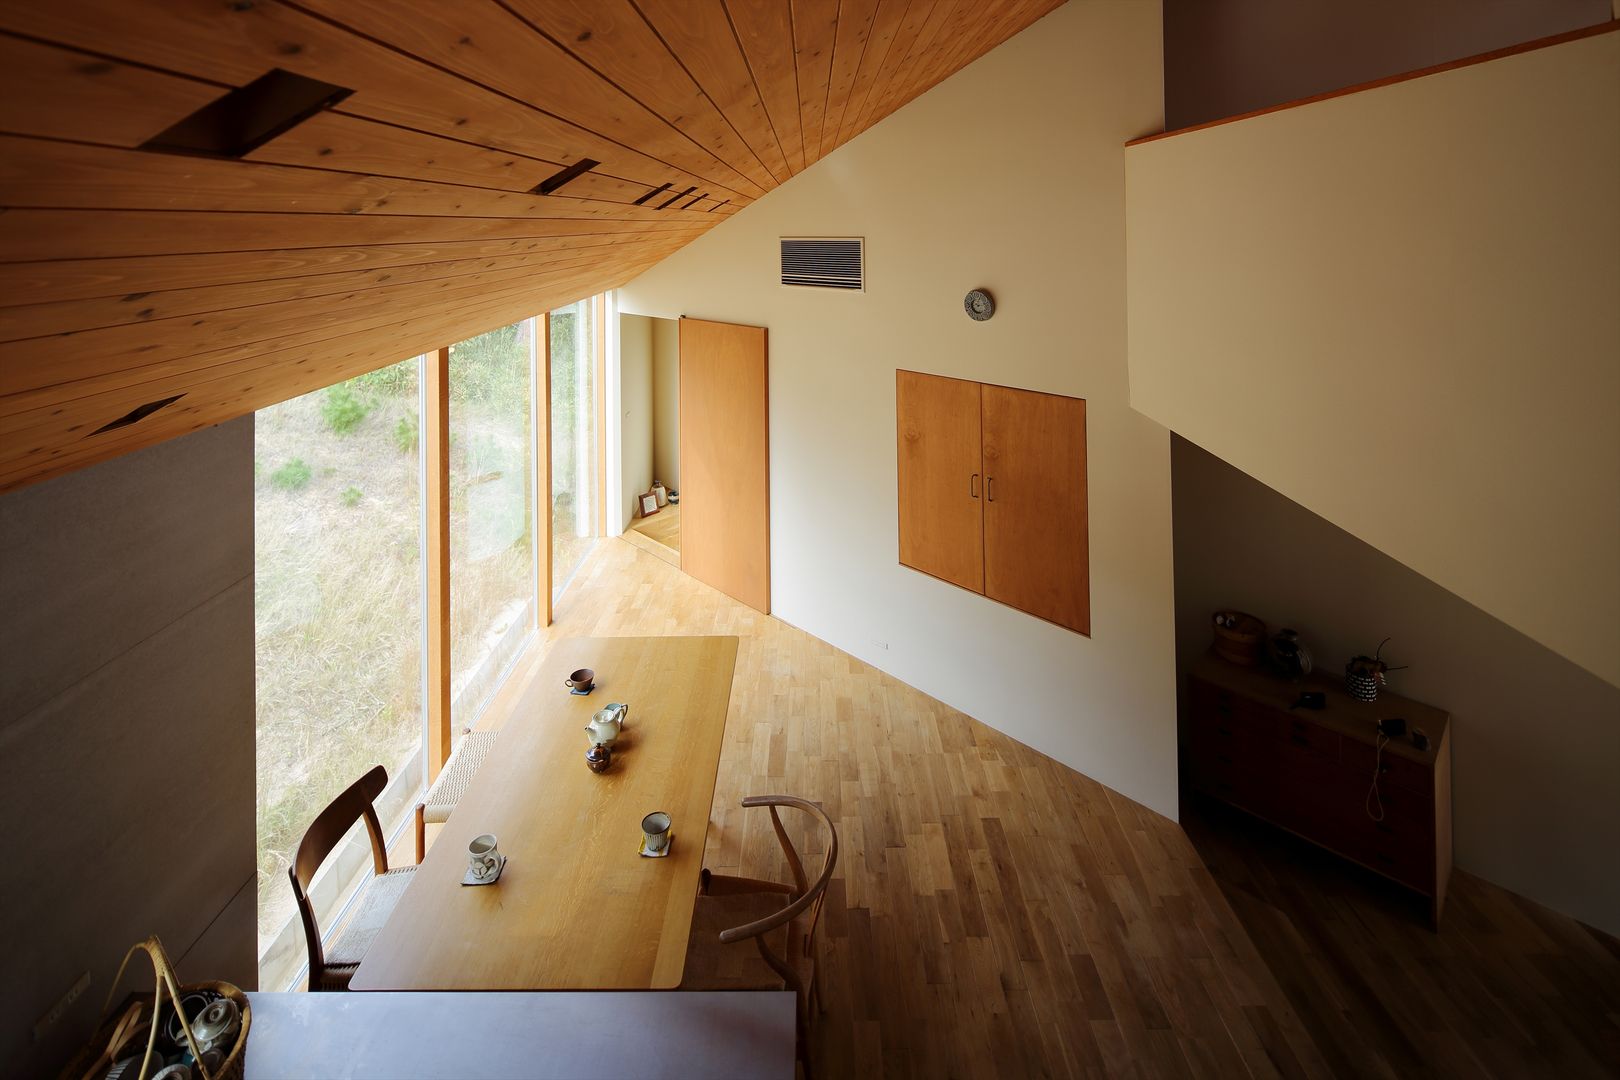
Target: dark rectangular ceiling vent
[
  {"x": 659, "y": 190},
  {"x": 824, "y": 262},
  {"x": 248, "y": 117},
  {"x": 140, "y": 412},
  {"x": 557, "y": 180},
  {"x": 673, "y": 199}
]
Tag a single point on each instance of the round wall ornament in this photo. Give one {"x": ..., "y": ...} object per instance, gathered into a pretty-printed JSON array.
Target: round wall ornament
[{"x": 978, "y": 305}]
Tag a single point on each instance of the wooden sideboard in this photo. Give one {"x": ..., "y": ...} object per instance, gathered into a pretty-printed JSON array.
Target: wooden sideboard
[{"x": 1310, "y": 771}]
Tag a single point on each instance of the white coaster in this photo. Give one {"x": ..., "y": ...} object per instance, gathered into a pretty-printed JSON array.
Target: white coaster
[
  {"x": 468, "y": 879},
  {"x": 645, "y": 854}
]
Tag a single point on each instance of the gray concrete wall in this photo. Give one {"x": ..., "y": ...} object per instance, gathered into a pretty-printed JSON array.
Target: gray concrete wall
[{"x": 126, "y": 730}]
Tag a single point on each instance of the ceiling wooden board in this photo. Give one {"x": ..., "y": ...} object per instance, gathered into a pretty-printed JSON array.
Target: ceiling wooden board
[{"x": 403, "y": 216}]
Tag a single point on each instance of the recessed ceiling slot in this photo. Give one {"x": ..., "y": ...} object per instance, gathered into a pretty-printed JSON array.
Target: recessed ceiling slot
[
  {"x": 558, "y": 179},
  {"x": 717, "y": 206},
  {"x": 659, "y": 190},
  {"x": 695, "y": 201},
  {"x": 140, "y": 412},
  {"x": 248, "y": 117},
  {"x": 673, "y": 199}
]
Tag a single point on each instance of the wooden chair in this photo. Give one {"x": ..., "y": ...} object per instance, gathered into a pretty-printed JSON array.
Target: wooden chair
[
  {"x": 332, "y": 969},
  {"x": 779, "y": 918},
  {"x": 451, "y": 784}
]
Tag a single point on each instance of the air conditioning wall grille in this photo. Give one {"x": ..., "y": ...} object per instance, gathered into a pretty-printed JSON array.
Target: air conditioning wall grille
[{"x": 824, "y": 262}]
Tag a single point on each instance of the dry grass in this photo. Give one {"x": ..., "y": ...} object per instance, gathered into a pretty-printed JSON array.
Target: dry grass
[
  {"x": 338, "y": 616},
  {"x": 339, "y": 581}
]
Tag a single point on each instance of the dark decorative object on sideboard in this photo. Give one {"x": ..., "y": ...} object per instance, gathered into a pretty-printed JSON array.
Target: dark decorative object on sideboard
[
  {"x": 1315, "y": 771},
  {"x": 1364, "y": 675},
  {"x": 1288, "y": 655}
]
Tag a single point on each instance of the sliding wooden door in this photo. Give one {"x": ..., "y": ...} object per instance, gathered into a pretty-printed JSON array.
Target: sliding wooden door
[
  {"x": 1036, "y": 554},
  {"x": 725, "y": 460},
  {"x": 940, "y": 477}
]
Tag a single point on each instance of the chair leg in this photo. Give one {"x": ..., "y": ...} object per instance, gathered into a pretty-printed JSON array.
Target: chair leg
[
  {"x": 802, "y": 1047},
  {"x": 817, "y": 1002},
  {"x": 421, "y": 835}
]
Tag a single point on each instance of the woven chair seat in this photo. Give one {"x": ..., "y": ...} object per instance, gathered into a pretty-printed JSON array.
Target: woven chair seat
[
  {"x": 711, "y": 965},
  {"x": 456, "y": 776},
  {"x": 378, "y": 899}
]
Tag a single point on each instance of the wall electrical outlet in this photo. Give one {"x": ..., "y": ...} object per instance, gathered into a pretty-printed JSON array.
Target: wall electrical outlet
[{"x": 44, "y": 1024}]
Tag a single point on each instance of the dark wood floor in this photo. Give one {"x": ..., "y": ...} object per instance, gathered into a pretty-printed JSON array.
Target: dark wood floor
[{"x": 1506, "y": 988}]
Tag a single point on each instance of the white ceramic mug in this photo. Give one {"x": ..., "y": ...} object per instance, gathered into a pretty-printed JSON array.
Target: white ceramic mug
[
  {"x": 482, "y": 856},
  {"x": 655, "y": 830}
]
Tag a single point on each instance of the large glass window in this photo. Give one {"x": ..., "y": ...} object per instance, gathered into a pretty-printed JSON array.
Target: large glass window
[
  {"x": 338, "y": 622},
  {"x": 492, "y": 551},
  {"x": 574, "y": 459},
  {"x": 341, "y": 580}
]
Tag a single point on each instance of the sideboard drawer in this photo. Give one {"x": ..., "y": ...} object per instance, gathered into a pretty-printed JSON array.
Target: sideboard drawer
[
  {"x": 1400, "y": 846},
  {"x": 1223, "y": 712},
  {"x": 1310, "y": 738},
  {"x": 1236, "y": 769},
  {"x": 1394, "y": 769}
]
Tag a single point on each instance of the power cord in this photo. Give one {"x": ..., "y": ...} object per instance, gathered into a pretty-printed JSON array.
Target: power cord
[{"x": 1373, "y": 797}]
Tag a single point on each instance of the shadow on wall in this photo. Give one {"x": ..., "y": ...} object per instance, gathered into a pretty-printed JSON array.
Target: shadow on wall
[{"x": 1536, "y": 738}]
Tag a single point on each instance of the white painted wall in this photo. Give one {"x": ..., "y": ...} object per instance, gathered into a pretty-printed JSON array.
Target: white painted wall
[
  {"x": 666, "y": 351},
  {"x": 126, "y": 730},
  {"x": 1401, "y": 309},
  {"x": 635, "y": 413},
  {"x": 1008, "y": 176}
]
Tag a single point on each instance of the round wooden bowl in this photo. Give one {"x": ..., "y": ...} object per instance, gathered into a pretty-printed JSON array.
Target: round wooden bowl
[{"x": 1238, "y": 643}]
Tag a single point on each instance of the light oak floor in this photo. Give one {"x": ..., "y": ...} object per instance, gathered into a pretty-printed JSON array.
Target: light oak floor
[
  {"x": 995, "y": 913},
  {"x": 659, "y": 535}
]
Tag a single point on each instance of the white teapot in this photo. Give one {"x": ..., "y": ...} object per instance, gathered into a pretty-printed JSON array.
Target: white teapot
[{"x": 607, "y": 722}]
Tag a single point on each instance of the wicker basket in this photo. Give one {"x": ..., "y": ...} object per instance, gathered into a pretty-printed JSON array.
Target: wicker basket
[
  {"x": 116, "y": 1036},
  {"x": 1238, "y": 637}
]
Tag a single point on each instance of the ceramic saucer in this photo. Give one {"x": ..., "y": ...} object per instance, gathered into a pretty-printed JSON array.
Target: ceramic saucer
[{"x": 468, "y": 879}]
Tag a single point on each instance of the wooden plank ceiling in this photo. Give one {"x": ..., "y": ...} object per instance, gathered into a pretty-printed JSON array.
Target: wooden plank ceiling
[{"x": 403, "y": 216}]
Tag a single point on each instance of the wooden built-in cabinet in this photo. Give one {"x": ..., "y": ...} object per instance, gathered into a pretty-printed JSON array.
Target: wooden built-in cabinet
[
  {"x": 1312, "y": 771},
  {"x": 992, "y": 489}
]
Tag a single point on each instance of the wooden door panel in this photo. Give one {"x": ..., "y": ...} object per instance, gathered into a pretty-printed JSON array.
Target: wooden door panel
[
  {"x": 940, "y": 477},
  {"x": 1036, "y": 553},
  {"x": 725, "y": 460}
]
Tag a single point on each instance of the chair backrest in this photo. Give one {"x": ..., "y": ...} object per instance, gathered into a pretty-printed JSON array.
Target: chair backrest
[
  {"x": 323, "y": 834},
  {"x": 806, "y": 894}
]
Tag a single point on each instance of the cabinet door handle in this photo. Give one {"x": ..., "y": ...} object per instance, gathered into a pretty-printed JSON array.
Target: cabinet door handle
[
  {"x": 989, "y": 489},
  {"x": 973, "y": 486}
]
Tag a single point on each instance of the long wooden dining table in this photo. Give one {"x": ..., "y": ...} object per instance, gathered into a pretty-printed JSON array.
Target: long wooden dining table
[{"x": 576, "y": 907}]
